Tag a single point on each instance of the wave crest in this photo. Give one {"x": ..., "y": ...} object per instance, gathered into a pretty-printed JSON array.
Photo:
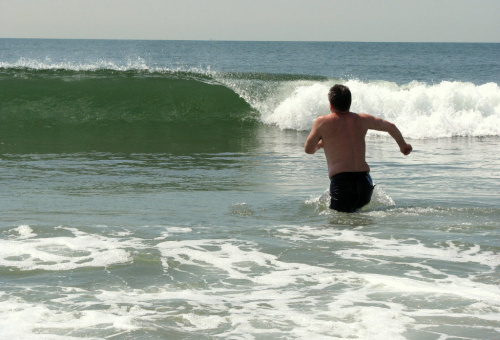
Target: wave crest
[
  {"x": 447, "y": 109},
  {"x": 137, "y": 92}
]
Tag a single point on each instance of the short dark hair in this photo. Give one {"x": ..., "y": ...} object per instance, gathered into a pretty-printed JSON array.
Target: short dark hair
[{"x": 340, "y": 97}]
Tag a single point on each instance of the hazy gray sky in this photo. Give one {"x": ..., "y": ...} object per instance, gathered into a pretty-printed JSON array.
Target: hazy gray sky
[{"x": 317, "y": 20}]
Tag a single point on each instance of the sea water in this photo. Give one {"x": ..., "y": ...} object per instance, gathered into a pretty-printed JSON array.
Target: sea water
[{"x": 159, "y": 190}]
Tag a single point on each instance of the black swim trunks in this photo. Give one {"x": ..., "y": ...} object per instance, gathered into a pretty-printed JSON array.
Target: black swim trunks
[{"x": 350, "y": 191}]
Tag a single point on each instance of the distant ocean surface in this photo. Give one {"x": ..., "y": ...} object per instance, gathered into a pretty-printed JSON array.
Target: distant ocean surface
[{"x": 159, "y": 190}]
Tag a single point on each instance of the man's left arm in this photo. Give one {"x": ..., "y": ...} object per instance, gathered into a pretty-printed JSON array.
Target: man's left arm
[{"x": 379, "y": 124}]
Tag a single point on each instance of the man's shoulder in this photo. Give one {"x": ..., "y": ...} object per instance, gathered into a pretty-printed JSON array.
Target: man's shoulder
[
  {"x": 322, "y": 119},
  {"x": 366, "y": 118},
  {"x": 364, "y": 115}
]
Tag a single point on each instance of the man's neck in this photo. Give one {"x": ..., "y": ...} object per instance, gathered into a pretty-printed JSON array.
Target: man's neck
[{"x": 338, "y": 113}]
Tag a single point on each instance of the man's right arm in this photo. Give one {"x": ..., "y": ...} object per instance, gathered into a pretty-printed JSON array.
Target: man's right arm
[
  {"x": 375, "y": 123},
  {"x": 314, "y": 141}
]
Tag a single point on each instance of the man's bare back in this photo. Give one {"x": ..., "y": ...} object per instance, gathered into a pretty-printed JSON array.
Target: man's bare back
[{"x": 342, "y": 136}]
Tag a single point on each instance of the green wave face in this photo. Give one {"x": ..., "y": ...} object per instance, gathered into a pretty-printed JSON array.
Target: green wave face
[
  {"x": 71, "y": 97},
  {"x": 61, "y": 110}
]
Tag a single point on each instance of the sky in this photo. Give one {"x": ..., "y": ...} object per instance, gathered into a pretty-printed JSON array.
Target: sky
[{"x": 262, "y": 20}]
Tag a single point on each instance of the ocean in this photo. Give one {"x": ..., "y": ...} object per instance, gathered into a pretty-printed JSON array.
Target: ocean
[{"x": 160, "y": 190}]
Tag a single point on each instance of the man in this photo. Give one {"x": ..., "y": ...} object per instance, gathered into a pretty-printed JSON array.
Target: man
[{"x": 342, "y": 136}]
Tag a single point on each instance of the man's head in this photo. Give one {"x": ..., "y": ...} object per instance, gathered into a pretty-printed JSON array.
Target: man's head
[{"x": 340, "y": 98}]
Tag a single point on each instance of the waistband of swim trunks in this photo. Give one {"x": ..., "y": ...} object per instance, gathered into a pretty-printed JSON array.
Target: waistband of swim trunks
[{"x": 350, "y": 175}]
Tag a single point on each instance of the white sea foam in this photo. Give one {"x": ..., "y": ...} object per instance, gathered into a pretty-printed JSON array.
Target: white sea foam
[
  {"x": 25, "y": 231},
  {"x": 49, "y": 64},
  {"x": 234, "y": 289},
  {"x": 379, "y": 249},
  {"x": 135, "y": 64},
  {"x": 431, "y": 111},
  {"x": 420, "y": 110},
  {"x": 81, "y": 250},
  {"x": 299, "y": 109}
]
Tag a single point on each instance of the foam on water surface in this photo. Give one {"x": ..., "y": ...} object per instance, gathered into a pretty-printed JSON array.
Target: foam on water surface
[
  {"x": 309, "y": 282},
  {"x": 77, "y": 250},
  {"x": 446, "y": 109}
]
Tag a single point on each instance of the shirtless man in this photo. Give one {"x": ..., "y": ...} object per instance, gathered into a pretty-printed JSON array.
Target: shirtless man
[{"x": 342, "y": 136}]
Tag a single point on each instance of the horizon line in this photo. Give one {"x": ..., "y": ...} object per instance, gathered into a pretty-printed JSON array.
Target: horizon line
[{"x": 238, "y": 40}]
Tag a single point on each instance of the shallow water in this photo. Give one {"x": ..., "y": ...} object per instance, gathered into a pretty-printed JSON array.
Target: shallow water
[{"x": 242, "y": 245}]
